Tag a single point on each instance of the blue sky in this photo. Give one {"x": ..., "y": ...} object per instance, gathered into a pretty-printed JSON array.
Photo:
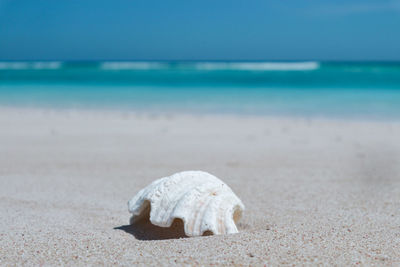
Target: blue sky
[{"x": 203, "y": 29}]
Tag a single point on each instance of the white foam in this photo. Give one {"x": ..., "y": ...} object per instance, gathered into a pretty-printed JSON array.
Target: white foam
[
  {"x": 14, "y": 65},
  {"x": 258, "y": 66},
  {"x": 131, "y": 65},
  {"x": 30, "y": 65}
]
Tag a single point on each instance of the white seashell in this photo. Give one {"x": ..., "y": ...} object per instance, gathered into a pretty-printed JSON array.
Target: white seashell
[{"x": 202, "y": 201}]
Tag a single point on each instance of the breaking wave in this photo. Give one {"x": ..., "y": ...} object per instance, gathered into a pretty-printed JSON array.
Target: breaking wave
[
  {"x": 246, "y": 66},
  {"x": 259, "y": 66},
  {"x": 131, "y": 65},
  {"x": 38, "y": 65}
]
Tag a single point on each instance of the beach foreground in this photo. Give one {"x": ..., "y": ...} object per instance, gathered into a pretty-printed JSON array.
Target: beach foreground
[{"x": 315, "y": 190}]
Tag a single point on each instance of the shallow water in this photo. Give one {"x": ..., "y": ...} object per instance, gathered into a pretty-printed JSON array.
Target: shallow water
[{"x": 337, "y": 89}]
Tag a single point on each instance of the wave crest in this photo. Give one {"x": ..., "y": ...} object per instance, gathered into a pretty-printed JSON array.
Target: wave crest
[
  {"x": 30, "y": 65},
  {"x": 131, "y": 65},
  {"x": 259, "y": 66}
]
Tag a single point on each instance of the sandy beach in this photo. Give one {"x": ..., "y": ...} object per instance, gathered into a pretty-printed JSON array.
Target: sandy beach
[{"x": 315, "y": 190}]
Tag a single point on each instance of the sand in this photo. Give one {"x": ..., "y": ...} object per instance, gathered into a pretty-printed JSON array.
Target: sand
[{"x": 317, "y": 191}]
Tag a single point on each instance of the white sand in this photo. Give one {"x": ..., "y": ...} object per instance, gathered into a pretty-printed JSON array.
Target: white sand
[{"x": 316, "y": 191}]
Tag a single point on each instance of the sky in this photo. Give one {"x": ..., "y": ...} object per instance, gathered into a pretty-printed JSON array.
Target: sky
[{"x": 200, "y": 30}]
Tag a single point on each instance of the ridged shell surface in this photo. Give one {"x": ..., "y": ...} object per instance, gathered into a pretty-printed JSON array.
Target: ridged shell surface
[{"x": 202, "y": 201}]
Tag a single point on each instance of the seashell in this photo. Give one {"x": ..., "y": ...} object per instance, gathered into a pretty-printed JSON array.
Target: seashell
[{"x": 202, "y": 201}]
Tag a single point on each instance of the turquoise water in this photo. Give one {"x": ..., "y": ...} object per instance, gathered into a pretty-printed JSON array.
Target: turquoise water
[{"x": 336, "y": 89}]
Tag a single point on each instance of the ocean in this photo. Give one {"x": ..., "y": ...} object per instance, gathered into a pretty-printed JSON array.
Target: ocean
[{"x": 309, "y": 89}]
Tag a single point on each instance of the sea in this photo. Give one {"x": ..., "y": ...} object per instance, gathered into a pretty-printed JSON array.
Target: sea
[{"x": 305, "y": 89}]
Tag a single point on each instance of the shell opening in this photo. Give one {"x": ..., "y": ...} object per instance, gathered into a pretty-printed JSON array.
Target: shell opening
[
  {"x": 143, "y": 229},
  {"x": 144, "y": 213},
  {"x": 207, "y": 233}
]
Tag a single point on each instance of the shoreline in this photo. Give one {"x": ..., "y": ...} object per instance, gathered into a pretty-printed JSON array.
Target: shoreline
[{"x": 106, "y": 111}]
